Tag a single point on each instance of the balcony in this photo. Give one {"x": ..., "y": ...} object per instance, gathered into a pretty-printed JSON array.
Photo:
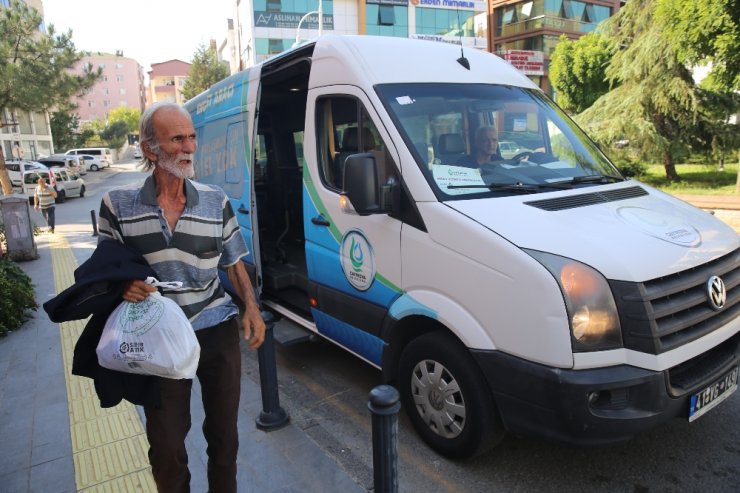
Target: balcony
[{"x": 545, "y": 22}]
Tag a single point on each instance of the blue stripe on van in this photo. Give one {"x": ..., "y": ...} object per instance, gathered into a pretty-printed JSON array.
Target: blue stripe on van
[
  {"x": 405, "y": 306},
  {"x": 358, "y": 341}
]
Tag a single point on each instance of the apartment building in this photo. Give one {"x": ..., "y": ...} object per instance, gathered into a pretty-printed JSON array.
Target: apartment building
[
  {"x": 526, "y": 32},
  {"x": 166, "y": 81},
  {"x": 122, "y": 84}
]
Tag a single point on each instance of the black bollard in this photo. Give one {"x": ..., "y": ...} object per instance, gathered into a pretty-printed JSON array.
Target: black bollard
[
  {"x": 94, "y": 222},
  {"x": 272, "y": 416},
  {"x": 384, "y": 405}
]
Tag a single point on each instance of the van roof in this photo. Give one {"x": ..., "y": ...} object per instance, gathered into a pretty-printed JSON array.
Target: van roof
[
  {"x": 383, "y": 59},
  {"x": 364, "y": 61}
]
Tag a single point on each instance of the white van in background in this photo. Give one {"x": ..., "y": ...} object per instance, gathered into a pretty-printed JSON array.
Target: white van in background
[
  {"x": 104, "y": 153},
  {"x": 71, "y": 163},
  {"x": 16, "y": 168},
  {"x": 541, "y": 293}
]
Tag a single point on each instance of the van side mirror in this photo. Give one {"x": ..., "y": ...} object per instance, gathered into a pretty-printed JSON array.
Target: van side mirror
[{"x": 361, "y": 186}]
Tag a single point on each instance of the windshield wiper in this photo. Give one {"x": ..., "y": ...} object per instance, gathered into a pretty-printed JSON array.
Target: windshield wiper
[{"x": 590, "y": 179}]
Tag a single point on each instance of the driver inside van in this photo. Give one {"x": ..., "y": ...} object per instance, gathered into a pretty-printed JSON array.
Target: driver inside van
[{"x": 486, "y": 148}]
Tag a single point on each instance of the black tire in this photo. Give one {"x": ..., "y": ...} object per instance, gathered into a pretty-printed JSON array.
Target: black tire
[
  {"x": 82, "y": 191},
  {"x": 461, "y": 424},
  {"x": 94, "y": 167},
  {"x": 61, "y": 197}
]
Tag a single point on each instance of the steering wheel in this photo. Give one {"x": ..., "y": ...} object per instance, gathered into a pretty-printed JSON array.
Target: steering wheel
[{"x": 521, "y": 155}]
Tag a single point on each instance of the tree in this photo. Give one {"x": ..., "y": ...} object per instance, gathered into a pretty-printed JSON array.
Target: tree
[
  {"x": 64, "y": 125},
  {"x": 206, "y": 70},
  {"x": 115, "y": 133},
  {"x": 130, "y": 116},
  {"x": 34, "y": 67},
  {"x": 654, "y": 102},
  {"x": 704, "y": 32},
  {"x": 578, "y": 71}
]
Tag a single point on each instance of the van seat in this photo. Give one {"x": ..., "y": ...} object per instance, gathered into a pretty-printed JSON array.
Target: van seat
[{"x": 450, "y": 147}]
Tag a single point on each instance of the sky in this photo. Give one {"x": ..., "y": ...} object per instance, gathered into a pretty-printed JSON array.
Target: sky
[{"x": 149, "y": 31}]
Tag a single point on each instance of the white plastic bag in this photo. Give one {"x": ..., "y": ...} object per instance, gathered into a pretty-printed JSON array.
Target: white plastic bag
[{"x": 151, "y": 337}]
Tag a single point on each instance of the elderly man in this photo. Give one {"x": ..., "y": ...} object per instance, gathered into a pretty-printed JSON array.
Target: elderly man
[
  {"x": 186, "y": 231},
  {"x": 486, "y": 148}
]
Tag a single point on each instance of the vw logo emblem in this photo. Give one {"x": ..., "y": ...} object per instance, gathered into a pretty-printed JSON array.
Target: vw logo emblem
[{"x": 717, "y": 293}]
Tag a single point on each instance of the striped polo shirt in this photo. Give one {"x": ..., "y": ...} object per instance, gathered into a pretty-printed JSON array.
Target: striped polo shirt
[
  {"x": 205, "y": 238},
  {"x": 46, "y": 199}
]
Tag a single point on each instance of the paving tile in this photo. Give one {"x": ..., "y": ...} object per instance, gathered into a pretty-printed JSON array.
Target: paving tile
[
  {"x": 15, "y": 458},
  {"x": 47, "y": 425},
  {"x": 17, "y": 481},
  {"x": 55, "y": 475},
  {"x": 52, "y": 450}
]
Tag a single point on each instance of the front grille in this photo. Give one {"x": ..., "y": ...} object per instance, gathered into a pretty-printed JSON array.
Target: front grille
[{"x": 668, "y": 312}]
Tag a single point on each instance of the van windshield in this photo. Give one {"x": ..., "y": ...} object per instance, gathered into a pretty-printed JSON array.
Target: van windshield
[{"x": 474, "y": 140}]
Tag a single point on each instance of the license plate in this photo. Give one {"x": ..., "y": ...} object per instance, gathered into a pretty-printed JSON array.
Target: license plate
[{"x": 711, "y": 396}]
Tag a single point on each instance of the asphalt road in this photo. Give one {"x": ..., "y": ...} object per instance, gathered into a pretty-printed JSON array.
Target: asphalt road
[{"x": 325, "y": 391}]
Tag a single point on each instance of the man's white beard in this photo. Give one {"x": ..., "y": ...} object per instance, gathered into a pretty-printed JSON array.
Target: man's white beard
[{"x": 171, "y": 164}]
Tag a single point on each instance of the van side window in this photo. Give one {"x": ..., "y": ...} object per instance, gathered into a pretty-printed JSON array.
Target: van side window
[{"x": 345, "y": 128}]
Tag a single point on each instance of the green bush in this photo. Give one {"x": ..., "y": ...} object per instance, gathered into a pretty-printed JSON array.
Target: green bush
[
  {"x": 16, "y": 296},
  {"x": 630, "y": 169}
]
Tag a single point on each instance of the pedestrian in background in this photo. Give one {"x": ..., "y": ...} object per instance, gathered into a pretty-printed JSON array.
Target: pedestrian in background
[
  {"x": 186, "y": 231},
  {"x": 44, "y": 198}
]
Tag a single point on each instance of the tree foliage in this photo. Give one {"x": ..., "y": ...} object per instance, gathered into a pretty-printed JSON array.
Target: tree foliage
[
  {"x": 654, "y": 102},
  {"x": 206, "y": 70},
  {"x": 130, "y": 116},
  {"x": 578, "y": 71},
  {"x": 34, "y": 66},
  {"x": 703, "y": 32},
  {"x": 64, "y": 123},
  {"x": 115, "y": 133},
  {"x": 17, "y": 296}
]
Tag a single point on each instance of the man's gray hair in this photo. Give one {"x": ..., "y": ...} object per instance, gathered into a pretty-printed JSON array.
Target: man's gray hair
[{"x": 147, "y": 138}]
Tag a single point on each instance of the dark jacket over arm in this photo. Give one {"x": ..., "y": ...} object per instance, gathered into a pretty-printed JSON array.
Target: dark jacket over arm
[{"x": 97, "y": 291}]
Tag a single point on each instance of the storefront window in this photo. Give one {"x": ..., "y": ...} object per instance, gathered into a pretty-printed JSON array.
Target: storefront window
[
  {"x": 445, "y": 22},
  {"x": 387, "y": 20}
]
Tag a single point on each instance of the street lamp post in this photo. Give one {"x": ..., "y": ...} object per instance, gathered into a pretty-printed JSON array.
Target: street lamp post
[{"x": 320, "y": 12}]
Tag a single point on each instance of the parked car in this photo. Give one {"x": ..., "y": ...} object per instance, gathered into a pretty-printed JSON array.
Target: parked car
[
  {"x": 104, "y": 153},
  {"x": 70, "y": 163},
  {"x": 16, "y": 168},
  {"x": 66, "y": 184},
  {"x": 509, "y": 149},
  {"x": 93, "y": 163},
  {"x": 137, "y": 153}
]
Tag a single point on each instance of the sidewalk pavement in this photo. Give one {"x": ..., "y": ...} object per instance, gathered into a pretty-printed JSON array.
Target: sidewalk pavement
[
  {"x": 722, "y": 202},
  {"x": 55, "y": 437}
]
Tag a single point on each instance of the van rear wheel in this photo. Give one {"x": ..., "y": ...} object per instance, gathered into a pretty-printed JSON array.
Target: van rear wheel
[
  {"x": 447, "y": 398},
  {"x": 61, "y": 197}
]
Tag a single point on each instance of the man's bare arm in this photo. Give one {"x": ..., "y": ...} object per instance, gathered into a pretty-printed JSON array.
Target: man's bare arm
[{"x": 254, "y": 326}]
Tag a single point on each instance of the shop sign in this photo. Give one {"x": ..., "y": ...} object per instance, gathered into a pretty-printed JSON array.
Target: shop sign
[
  {"x": 528, "y": 62},
  {"x": 290, "y": 20}
]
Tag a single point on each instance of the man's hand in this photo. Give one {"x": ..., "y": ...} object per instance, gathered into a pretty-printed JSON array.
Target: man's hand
[
  {"x": 137, "y": 290},
  {"x": 254, "y": 326}
]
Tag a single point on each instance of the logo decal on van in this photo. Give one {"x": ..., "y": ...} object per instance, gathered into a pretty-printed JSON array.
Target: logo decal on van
[
  {"x": 358, "y": 260},
  {"x": 661, "y": 225}
]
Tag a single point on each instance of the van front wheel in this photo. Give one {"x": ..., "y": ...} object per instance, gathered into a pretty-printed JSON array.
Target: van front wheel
[{"x": 447, "y": 398}]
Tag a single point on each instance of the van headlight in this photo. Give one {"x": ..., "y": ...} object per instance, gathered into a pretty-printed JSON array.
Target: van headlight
[{"x": 592, "y": 313}]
